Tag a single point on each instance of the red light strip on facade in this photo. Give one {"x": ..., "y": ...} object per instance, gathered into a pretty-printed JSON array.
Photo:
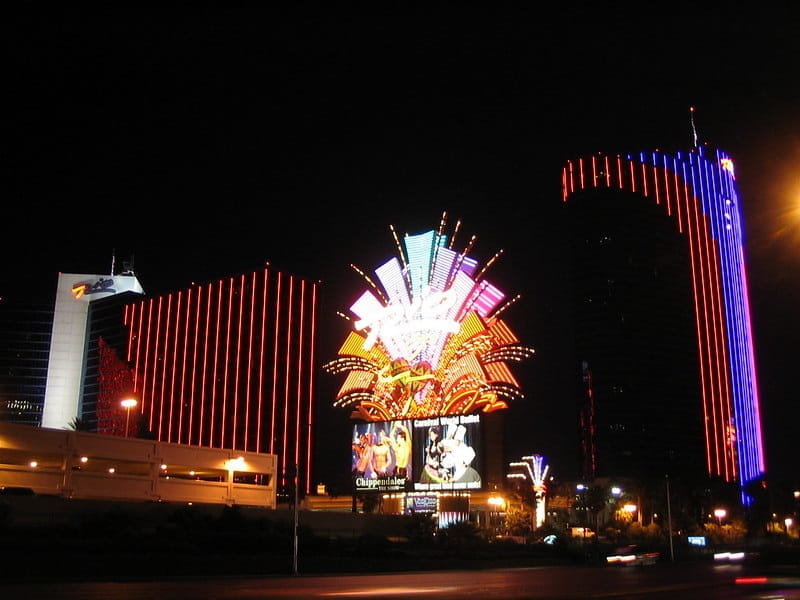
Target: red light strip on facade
[
  {"x": 287, "y": 373},
  {"x": 273, "y": 424},
  {"x": 174, "y": 335},
  {"x": 214, "y": 380},
  {"x": 181, "y": 398},
  {"x": 178, "y": 358},
  {"x": 298, "y": 404},
  {"x": 311, "y": 362},
  {"x": 261, "y": 355}
]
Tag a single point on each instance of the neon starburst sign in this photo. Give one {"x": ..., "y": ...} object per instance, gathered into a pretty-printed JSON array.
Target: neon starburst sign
[{"x": 428, "y": 341}]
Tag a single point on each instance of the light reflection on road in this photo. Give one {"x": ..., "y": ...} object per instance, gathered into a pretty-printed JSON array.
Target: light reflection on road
[{"x": 662, "y": 581}]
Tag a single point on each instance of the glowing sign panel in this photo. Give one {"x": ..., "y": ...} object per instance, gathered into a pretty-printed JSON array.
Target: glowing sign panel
[{"x": 431, "y": 342}]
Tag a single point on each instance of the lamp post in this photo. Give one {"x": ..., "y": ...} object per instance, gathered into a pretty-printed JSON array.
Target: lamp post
[{"x": 128, "y": 404}]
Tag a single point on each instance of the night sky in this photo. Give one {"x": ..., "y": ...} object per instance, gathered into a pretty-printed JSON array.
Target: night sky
[{"x": 205, "y": 140}]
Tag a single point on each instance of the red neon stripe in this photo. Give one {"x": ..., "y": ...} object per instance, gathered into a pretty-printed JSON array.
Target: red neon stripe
[
  {"x": 594, "y": 171},
  {"x": 162, "y": 352},
  {"x": 644, "y": 179},
  {"x": 711, "y": 422},
  {"x": 204, "y": 385},
  {"x": 287, "y": 369},
  {"x": 238, "y": 348},
  {"x": 193, "y": 389},
  {"x": 633, "y": 175},
  {"x": 564, "y": 190},
  {"x": 181, "y": 395},
  {"x": 312, "y": 352},
  {"x": 619, "y": 172},
  {"x": 170, "y": 420},
  {"x": 147, "y": 367},
  {"x": 299, "y": 394},
  {"x": 608, "y": 171},
  {"x": 721, "y": 360},
  {"x": 249, "y": 363},
  {"x": 580, "y": 169},
  {"x": 261, "y": 356},
  {"x": 699, "y": 302},
  {"x": 216, "y": 363},
  {"x": 656, "y": 186},
  {"x": 224, "y": 420},
  {"x": 275, "y": 366}
]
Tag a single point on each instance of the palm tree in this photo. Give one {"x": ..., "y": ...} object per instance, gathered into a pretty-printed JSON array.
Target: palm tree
[{"x": 79, "y": 424}]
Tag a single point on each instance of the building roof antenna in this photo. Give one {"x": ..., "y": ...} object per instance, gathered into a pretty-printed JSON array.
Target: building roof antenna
[{"x": 694, "y": 131}]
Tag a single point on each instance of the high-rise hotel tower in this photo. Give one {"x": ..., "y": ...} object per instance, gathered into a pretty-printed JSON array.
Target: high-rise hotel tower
[{"x": 662, "y": 318}]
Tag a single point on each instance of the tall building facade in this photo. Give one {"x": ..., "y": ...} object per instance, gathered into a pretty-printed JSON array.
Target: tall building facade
[
  {"x": 25, "y": 330},
  {"x": 228, "y": 364},
  {"x": 67, "y": 356},
  {"x": 662, "y": 319}
]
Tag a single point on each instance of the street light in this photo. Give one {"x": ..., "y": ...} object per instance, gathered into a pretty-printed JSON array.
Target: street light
[
  {"x": 128, "y": 404},
  {"x": 720, "y": 513}
]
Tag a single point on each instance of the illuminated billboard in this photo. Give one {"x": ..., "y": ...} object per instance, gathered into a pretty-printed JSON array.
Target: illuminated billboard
[
  {"x": 381, "y": 456},
  {"x": 434, "y": 454},
  {"x": 428, "y": 341},
  {"x": 447, "y": 453}
]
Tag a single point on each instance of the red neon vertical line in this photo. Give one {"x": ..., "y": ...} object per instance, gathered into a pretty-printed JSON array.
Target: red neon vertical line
[
  {"x": 249, "y": 362},
  {"x": 174, "y": 361},
  {"x": 182, "y": 394},
  {"x": 130, "y": 312},
  {"x": 212, "y": 422},
  {"x": 299, "y": 394},
  {"x": 138, "y": 353},
  {"x": 712, "y": 421},
  {"x": 697, "y": 284},
  {"x": 146, "y": 369},
  {"x": 162, "y": 354},
  {"x": 676, "y": 180},
  {"x": 193, "y": 389},
  {"x": 632, "y": 169},
  {"x": 238, "y": 343},
  {"x": 261, "y": 356},
  {"x": 224, "y": 419},
  {"x": 275, "y": 365},
  {"x": 655, "y": 185},
  {"x": 619, "y": 172},
  {"x": 594, "y": 171},
  {"x": 608, "y": 170},
  {"x": 571, "y": 177},
  {"x": 310, "y": 410},
  {"x": 644, "y": 179},
  {"x": 719, "y": 430},
  {"x": 204, "y": 383},
  {"x": 137, "y": 367},
  {"x": 287, "y": 370},
  {"x": 677, "y": 202},
  {"x": 722, "y": 363},
  {"x": 580, "y": 172},
  {"x": 564, "y": 190}
]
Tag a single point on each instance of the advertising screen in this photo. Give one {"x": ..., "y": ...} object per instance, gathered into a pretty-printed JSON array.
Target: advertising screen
[
  {"x": 447, "y": 453},
  {"x": 381, "y": 456}
]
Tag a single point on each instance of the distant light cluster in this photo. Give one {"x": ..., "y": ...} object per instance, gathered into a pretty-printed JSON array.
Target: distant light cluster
[{"x": 428, "y": 341}]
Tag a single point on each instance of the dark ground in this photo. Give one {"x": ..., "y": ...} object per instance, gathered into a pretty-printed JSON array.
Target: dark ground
[{"x": 54, "y": 539}]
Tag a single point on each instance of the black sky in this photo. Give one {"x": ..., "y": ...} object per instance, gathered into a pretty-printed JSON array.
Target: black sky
[{"x": 205, "y": 139}]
